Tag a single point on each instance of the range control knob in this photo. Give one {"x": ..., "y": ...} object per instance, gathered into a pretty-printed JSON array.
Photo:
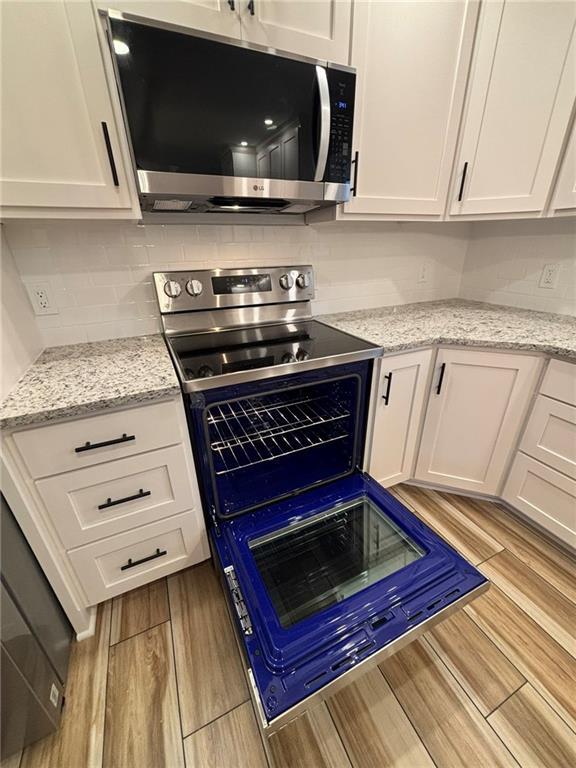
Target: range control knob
[
  {"x": 303, "y": 280},
  {"x": 288, "y": 357},
  {"x": 286, "y": 281},
  {"x": 194, "y": 287},
  {"x": 205, "y": 372},
  {"x": 172, "y": 289},
  {"x": 302, "y": 354}
]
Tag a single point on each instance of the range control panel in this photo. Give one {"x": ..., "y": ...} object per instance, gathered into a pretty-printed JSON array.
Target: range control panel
[
  {"x": 341, "y": 86},
  {"x": 185, "y": 291}
]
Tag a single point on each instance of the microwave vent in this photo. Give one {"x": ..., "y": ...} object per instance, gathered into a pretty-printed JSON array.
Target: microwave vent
[{"x": 172, "y": 205}]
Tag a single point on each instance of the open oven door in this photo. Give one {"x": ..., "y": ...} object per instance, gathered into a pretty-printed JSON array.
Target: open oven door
[{"x": 329, "y": 582}]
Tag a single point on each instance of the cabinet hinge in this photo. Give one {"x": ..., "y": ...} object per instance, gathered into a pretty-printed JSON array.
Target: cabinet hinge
[{"x": 238, "y": 600}]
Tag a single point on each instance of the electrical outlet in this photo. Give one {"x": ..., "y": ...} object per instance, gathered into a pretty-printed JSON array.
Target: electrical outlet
[
  {"x": 42, "y": 300},
  {"x": 549, "y": 276},
  {"x": 424, "y": 273}
]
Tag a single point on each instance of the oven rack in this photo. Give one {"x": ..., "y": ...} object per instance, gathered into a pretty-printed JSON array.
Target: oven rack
[
  {"x": 259, "y": 449},
  {"x": 236, "y": 424}
]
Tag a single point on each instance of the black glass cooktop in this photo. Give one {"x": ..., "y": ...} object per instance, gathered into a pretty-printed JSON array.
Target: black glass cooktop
[{"x": 204, "y": 355}]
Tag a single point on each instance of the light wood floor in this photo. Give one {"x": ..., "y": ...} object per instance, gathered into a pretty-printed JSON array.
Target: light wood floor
[{"x": 161, "y": 684}]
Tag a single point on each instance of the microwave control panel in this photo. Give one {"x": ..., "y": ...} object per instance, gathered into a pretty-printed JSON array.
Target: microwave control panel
[{"x": 341, "y": 85}]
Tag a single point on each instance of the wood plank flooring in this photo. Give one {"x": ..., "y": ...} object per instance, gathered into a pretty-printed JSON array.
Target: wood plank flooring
[{"x": 161, "y": 685}]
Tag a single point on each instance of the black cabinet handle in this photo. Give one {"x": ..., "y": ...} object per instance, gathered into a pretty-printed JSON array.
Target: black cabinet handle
[
  {"x": 355, "y": 180},
  {"x": 441, "y": 379},
  {"x": 110, "y": 503},
  {"x": 463, "y": 181},
  {"x": 232, "y": 5},
  {"x": 90, "y": 446},
  {"x": 386, "y": 396},
  {"x": 110, "y": 154},
  {"x": 251, "y": 7},
  {"x": 133, "y": 563}
]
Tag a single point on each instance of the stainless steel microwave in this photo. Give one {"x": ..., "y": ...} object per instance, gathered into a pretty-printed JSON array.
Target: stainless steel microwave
[{"x": 217, "y": 125}]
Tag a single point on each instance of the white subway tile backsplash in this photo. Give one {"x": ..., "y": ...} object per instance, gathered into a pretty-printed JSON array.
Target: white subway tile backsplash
[{"x": 101, "y": 272}]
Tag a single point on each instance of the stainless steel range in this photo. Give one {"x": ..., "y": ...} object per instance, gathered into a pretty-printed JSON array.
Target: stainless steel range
[
  {"x": 325, "y": 572},
  {"x": 227, "y": 326}
]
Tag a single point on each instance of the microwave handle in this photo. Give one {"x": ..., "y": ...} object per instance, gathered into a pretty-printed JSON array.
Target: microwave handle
[{"x": 324, "y": 92}]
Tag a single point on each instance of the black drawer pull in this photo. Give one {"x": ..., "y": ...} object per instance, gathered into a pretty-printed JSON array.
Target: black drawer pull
[
  {"x": 441, "y": 379},
  {"x": 133, "y": 563},
  {"x": 386, "y": 396},
  {"x": 232, "y": 5},
  {"x": 251, "y": 7},
  {"x": 110, "y": 503},
  {"x": 89, "y": 446}
]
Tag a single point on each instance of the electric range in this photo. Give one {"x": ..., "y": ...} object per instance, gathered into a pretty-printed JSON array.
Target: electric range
[{"x": 325, "y": 572}]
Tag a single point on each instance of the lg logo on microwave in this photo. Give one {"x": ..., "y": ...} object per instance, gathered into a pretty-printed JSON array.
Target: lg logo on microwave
[{"x": 258, "y": 187}]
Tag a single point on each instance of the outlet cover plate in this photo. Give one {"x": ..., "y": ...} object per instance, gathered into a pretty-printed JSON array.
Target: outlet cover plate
[
  {"x": 549, "y": 276},
  {"x": 42, "y": 298}
]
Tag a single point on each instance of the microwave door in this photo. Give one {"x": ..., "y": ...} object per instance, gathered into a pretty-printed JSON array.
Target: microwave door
[
  {"x": 325, "y": 586},
  {"x": 197, "y": 105}
]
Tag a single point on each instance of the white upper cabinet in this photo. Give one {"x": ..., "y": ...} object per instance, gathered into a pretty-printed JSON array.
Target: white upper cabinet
[
  {"x": 520, "y": 98},
  {"x": 564, "y": 198},
  {"x": 319, "y": 29},
  {"x": 412, "y": 60},
  {"x": 397, "y": 415},
  {"x": 220, "y": 17},
  {"x": 61, "y": 153},
  {"x": 476, "y": 408}
]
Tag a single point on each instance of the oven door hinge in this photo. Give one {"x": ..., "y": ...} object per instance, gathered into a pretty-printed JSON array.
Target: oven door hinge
[
  {"x": 238, "y": 600},
  {"x": 214, "y": 520}
]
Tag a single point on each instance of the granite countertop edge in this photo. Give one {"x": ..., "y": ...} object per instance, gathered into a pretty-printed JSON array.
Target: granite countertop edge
[{"x": 89, "y": 408}]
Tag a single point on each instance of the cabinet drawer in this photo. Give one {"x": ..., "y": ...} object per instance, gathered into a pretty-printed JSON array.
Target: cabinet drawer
[
  {"x": 84, "y": 442},
  {"x": 111, "y": 566},
  {"x": 560, "y": 381},
  {"x": 92, "y": 503},
  {"x": 544, "y": 495},
  {"x": 551, "y": 435}
]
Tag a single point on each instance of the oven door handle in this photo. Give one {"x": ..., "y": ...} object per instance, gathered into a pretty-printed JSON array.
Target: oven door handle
[{"x": 324, "y": 92}]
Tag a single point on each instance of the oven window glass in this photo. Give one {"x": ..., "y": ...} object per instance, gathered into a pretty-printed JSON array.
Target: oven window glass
[
  {"x": 312, "y": 565},
  {"x": 199, "y": 106}
]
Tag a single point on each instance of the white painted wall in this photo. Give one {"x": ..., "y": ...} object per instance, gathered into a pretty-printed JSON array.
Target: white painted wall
[
  {"x": 505, "y": 259},
  {"x": 20, "y": 338},
  {"x": 101, "y": 272}
]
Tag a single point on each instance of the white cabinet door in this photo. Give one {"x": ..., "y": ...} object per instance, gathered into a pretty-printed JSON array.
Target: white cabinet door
[
  {"x": 398, "y": 411},
  {"x": 476, "y": 408},
  {"x": 220, "y": 17},
  {"x": 55, "y": 112},
  {"x": 319, "y": 29},
  {"x": 520, "y": 98},
  {"x": 546, "y": 496},
  {"x": 412, "y": 60},
  {"x": 564, "y": 199}
]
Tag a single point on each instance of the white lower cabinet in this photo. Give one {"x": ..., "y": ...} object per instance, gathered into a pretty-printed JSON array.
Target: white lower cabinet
[
  {"x": 397, "y": 415},
  {"x": 108, "y": 567},
  {"x": 475, "y": 411},
  {"x": 544, "y": 495}
]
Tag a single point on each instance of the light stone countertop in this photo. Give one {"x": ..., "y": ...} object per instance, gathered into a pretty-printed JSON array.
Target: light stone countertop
[
  {"x": 82, "y": 379},
  {"x": 460, "y": 322}
]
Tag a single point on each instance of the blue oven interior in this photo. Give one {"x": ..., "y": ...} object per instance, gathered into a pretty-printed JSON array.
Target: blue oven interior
[{"x": 264, "y": 441}]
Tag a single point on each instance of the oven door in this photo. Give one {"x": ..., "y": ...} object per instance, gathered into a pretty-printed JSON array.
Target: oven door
[{"x": 326, "y": 584}]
